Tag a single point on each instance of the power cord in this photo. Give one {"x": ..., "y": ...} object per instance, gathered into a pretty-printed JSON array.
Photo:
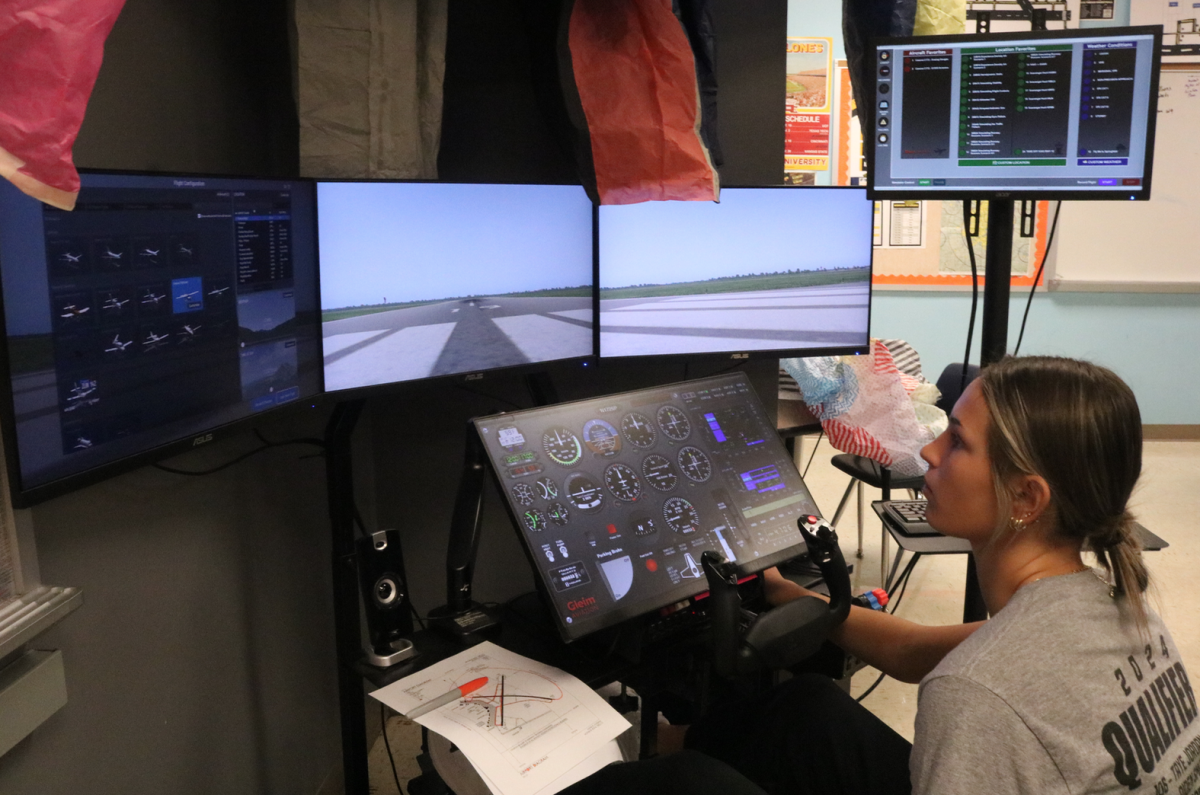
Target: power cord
[
  {"x": 387, "y": 744},
  {"x": 966, "y": 211},
  {"x": 266, "y": 445},
  {"x": 1037, "y": 278},
  {"x": 903, "y": 583}
]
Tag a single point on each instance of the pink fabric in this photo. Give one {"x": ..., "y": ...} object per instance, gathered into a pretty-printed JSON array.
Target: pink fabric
[
  {"x": 50, "y": 54},
  {"x": 636, "y": 78}
]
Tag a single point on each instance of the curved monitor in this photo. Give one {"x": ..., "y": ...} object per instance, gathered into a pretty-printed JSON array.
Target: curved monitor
[
  {"x": 160, "y": 309},
  {"x": 1065, "y": 114},
  {"x": 429, "y": 279},
  {"x": 772, "y": 272}
]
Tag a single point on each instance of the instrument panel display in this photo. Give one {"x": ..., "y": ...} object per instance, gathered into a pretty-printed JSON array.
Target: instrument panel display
[{"x": 617, "y": 497}]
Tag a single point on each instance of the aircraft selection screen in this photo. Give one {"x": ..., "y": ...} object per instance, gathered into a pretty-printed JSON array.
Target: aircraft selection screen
[
  {"x": 159, "y": 308},
  {"x": 765, "y": 269},
  {"x": 617, "y": 497},
  {"x": 433, "y": 279},
  {"x": 1050, "y": 113}
]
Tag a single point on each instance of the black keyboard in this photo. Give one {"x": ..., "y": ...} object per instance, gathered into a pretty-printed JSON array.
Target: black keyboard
[{"x": 909, "y": 517}]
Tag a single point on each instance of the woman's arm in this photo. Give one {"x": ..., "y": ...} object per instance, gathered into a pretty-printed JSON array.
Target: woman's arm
[{"x": 899, "y": 648}]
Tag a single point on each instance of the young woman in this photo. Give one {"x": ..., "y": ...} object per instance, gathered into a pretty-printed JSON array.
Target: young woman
[{"x": 1073, "y": 686}]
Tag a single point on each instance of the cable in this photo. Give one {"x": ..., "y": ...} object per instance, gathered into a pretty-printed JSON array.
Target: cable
[
  {"x": 266, "y": 445},
  {"x": 490, "y": 396},
  {"x": 813, "y": 455},
  {"x": 1037, "y": 278},
  {"x": 966, "y": 209},
  {"x": 388, "y": 746},
  {"x": 903, "y": 582},
  {"x": 867, "y": 692}
]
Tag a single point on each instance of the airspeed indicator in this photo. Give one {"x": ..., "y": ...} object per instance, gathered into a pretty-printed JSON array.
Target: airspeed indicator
[{"x": 562, "y": 446}]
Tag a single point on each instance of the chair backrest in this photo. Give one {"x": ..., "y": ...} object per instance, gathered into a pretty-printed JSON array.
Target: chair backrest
[{"x": 950, "y": 384}]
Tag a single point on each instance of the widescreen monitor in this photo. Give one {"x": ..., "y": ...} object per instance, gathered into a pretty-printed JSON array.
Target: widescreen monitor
[
  {"x": 1066, "y": 114},
  {"x": 766, "y": 271},
  {"x": 616, "y": 498},
  {"x": 428, "y": 279},
  {"x": 160, "y": 309}
]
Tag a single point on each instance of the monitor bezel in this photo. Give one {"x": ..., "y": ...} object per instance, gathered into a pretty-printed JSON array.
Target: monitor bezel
[
  {"x": 983, "y": 194},
  {"x": 473, "y": 376},
  {"x": 752, "y": 566},
  {"x": 23, "y": 496},
  {"x": 747, "y": 355}
]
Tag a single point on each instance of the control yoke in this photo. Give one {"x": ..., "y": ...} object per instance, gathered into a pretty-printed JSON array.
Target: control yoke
[{"x": 785, "y": 635}]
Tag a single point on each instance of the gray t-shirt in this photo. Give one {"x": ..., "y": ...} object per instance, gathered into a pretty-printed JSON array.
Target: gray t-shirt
[{"x": 1057, "y": 694}]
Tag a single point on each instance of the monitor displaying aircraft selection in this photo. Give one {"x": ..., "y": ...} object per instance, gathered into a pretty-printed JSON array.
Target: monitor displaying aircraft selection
[
  {"x": 617, "y": 497},
  {"x": 426, "y": 279},
  {"x": 767, "y": 271},
  {"x": 1065, "y": 114},
  {"x": 160, "y": 309}
]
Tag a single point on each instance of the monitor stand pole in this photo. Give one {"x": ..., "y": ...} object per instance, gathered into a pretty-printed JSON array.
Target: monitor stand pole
[
  {"x": 347, "y": 633},
  {"x": 993, "y": 342}
]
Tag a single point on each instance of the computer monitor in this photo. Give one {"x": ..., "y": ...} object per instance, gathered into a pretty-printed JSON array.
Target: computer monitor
[
  {"x": 617, "y": 497},
  {"x": 161, "y": 309},
  {"x": 428, "y": 279},
  {"x": 772, "y": 272},
  {"x": 1065, "y": 114}
]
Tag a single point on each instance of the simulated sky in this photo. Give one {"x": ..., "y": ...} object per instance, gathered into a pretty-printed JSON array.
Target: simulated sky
[
  {"x": 399, "y": 242},
  {"x": 752, "y": 230}
]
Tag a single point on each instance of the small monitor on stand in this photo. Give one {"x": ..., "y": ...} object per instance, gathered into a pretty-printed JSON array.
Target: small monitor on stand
[{"x": 1065, "y": 114}]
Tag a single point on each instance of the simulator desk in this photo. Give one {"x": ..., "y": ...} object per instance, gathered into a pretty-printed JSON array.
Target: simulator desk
[{"x": 926, "y": 541}]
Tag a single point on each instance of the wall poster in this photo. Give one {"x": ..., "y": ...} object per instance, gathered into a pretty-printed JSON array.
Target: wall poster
[{"x": 807, "y": 108}]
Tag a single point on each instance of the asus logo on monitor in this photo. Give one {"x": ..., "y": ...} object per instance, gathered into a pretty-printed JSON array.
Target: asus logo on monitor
[
  {"x": 739, "y": 356},
  {"x": 199, "y": 440}
]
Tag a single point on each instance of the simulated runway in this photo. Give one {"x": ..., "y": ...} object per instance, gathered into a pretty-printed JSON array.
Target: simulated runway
[
  {"x": 810, "y": 317},
  {"x": 448, "y": 337}
]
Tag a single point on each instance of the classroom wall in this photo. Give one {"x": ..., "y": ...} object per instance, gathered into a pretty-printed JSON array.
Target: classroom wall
[
  {"x": 202, "y": 658},
  {"x": 1146, "y": 338}
]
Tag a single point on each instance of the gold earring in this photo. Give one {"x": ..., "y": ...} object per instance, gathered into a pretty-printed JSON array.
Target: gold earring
[{"x": 1016, "y": 524}]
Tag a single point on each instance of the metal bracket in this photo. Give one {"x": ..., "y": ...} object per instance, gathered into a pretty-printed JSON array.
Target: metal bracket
[
  {"x": 971, "y": 221},
  {"x": 1028, "y": 216}
]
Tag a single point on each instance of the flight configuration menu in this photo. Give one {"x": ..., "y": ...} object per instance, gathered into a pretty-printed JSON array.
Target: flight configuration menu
[
  {"x": 1043, "y": 114},
  {"x": 616, "y": 498},
  {"x": 172, "y": 308}
]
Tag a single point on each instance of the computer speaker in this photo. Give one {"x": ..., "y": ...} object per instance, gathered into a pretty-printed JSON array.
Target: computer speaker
[{"x": 385, "y": 595}]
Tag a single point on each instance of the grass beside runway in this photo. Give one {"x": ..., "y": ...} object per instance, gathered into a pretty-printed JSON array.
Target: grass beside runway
[
  {"x": 741, "y": 284},
  {"x": 371, "y": 309}
]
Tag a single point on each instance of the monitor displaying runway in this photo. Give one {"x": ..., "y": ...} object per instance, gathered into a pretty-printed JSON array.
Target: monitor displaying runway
[
  {"x": 808, "y": 317},
  {"x": 420, "y": 280},
  {"x": 450, "y": 337},
  {"x": 766, "y": 269}
]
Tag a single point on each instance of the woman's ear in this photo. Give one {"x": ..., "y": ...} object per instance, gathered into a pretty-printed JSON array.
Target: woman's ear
[{"x": 1031, "y": 498}]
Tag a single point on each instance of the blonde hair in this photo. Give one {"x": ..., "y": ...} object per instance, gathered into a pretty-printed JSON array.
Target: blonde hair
[{"x": 1076, "y": 425}]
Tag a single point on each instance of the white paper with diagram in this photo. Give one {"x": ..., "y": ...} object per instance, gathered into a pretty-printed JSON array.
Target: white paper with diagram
[{"x": 524, "y": 729}]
